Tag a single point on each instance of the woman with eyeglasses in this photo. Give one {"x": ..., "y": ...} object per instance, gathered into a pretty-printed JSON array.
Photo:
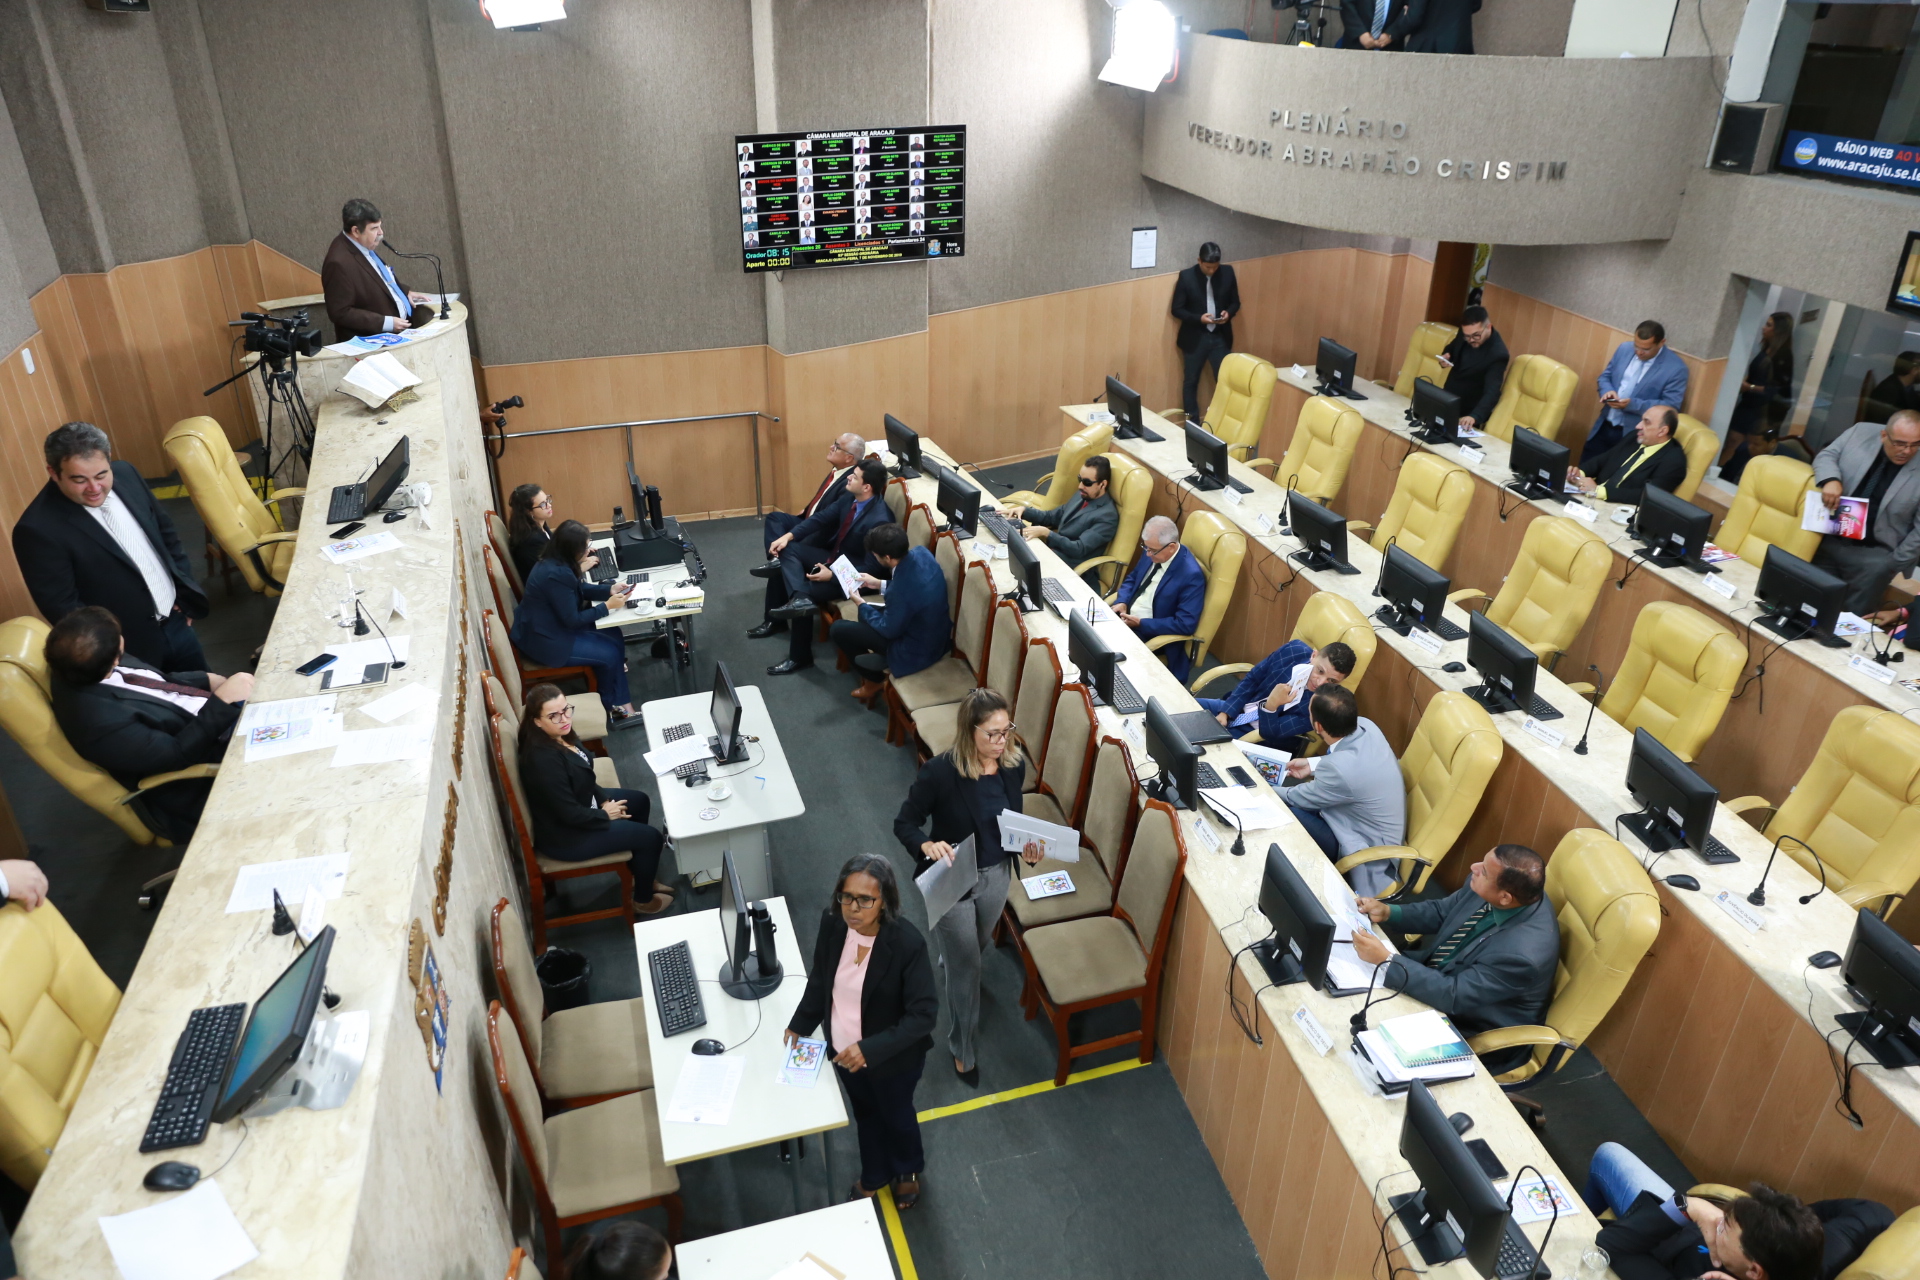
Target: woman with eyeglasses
[
  {"x": 528, "y": 511},
  {"x": 555, "y": 623},
  {"x": 574, "y": 818},
  {"x": 872, "y": 985},
  {"x": 964, "y": 791}
]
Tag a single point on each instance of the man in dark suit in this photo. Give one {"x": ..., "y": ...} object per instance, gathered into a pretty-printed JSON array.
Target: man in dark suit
[
  {"x": 1082, "y": 527},
  {"x": 95, "y": 535},
  {"x": 1206, "y": 298},
  {"x": 1476, "y": 365},
  {"x": 1491, "y": 952},
  {"x": 135, "y": 721},
  {"x": 805, "y": 580},
  {"x": 1164, "y": 592},
  {"x": 777, "y": 529},
  {"x": 1363, "y": 23},
  {"x": 362, "y": 295},
  {"x": 1433, "y": 26},
  {"x": 1650, "y": 456}
]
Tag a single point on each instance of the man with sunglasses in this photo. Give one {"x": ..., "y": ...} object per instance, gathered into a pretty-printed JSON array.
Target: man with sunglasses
[{"x": 1083, "y": 526}]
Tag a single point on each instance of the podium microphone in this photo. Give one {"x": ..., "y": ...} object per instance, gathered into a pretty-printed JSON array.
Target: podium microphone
[
  {"x": 1592, "y": 705},
  {"x": 1759, "y": 895},
  {"x": 439, "y": 281}
]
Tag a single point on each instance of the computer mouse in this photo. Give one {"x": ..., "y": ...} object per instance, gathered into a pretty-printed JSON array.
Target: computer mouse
[
  {"x": 1824, "y": 959},
  {"x": 1455, "y": 667},
  {"x": 1461, "y": 1122},
  {"x": 393, "y": 517},
  {"x": 708, "y": 1048},
  {"x": 170, "y": 1175},
  {"x": 1683, "y": 881}
]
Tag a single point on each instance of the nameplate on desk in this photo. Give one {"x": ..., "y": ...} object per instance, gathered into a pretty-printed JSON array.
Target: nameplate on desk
[
  {"x": 1472, "y": 454},
  {"x": 1585, "y": 513},
  {"x": 1749, "y": 918},
  {"x": 1316, "y": 1035},
  {"x": 1207, "y": 837},
  {"x": 1718, "y": 584},
  {"x": 1425, "y": 640},
  {"x": 1870, "y": 669},
  {"x": 1264, "y": 523},
  {"x": 1551, "y": 737},
  {"x": 1233, "y": 496},
  {"x": 1131, "y": 729}
]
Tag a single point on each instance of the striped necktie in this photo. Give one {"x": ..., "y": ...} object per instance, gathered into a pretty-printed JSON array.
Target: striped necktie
[{"x": 1454, "y": 941}]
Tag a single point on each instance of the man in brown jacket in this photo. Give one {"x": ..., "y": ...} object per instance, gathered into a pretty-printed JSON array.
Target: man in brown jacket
[{"x": 362, "y": 295}]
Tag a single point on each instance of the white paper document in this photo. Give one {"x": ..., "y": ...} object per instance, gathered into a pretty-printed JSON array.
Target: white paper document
[
  {"x": 1346, "y": 969},
  {"x": 192, "y": 1236},
  {"x": 1145, "y": 247},
  {"x": 1252, "y": 810},
  {"x": 289, "y": 727},
  {"x": 1340, "y": 904},
  {"x": 380, "y": 746},
  {"x": 253, "y": 886},
  {"x": 944, "y": 883},
  {"x": 1017, "y": 831},
  {"x": 376, "y": 379},
  {"x": 1539, "y": 1198},
  {"x": 405, "y": 699},
  {"x": 847, "y": 576},
  {"x": 705, "y": 1091},
  {"x": 668, "y": 756},
  {"x": 351, "y": 549},
  {"x": 1050, "y": 885},
  {"x": 358, "y": 653}
]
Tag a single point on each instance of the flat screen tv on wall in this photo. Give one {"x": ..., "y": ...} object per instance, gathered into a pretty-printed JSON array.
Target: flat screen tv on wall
[{"x": 851, "y": 197}]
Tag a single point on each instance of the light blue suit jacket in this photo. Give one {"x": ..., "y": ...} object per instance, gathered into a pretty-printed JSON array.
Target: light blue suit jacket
[
  {"x": 1664, "y": 382},
  {"x": 1357, "y": 788}
]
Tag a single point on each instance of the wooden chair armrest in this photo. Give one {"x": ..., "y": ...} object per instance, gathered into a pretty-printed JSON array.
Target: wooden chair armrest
[
  {"x": 1512, "y": 1037},
  {"x": 1265, "y": 462},
  {"x": 1200, "y": 682},
  {"x": 1581, "y": 687},
  {"x": 178, "y": 775},
  {"x": 1161, "y": 642}
]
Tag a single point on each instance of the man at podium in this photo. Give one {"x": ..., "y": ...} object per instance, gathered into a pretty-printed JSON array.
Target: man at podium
[{"x": 362, "y": 296}]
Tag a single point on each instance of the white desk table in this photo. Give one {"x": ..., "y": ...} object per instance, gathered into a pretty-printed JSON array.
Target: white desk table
[
  {"x": 847, "y": 1237},
  {"x": 675, "y": 623}
]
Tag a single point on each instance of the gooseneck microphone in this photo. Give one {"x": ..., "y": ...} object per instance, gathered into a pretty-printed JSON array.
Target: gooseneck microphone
[
  {"x": 1759, "y": 895},
  {"x": 1592, "y": 705},
  {"x": 439, "y": 281}
]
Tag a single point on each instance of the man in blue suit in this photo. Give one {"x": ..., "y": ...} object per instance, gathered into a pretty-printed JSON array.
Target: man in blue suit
[
  {"x": 1163, "y": 592},
  {"x": 805, "y": 578},
  {"x": 908, "y": 630},
  {"x": 1642, "y": 373},
  {"x": 1275, "y": 695}
]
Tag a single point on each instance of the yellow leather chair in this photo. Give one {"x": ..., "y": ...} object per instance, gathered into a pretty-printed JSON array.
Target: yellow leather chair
[
  {"x": 1535, "y": 396},
  {"x": 235, "y": 516},
  {"x": 1325, "y": 618},
  {"x": 1679, "y": 674},
  {"x": 1429, "y": 339},
  {"x": 1063, "y": 481},
  {"x": 1446, "y": 769},
  {"x": 1609, "y": 915},
  {"x": 1130, "y": 488},
  {"x": 1552, "y": 586},
  {"x": 1766, "y": 511},
  {"x": 1429, "y": 504},
  {"x": 1701, "y": 447},
  {"x": 1220, "y": 548},
  {"x": 1321, "y": 451},
  {"x": 1858, "y": 803},
  {"x": 1894, "y": 1254},
  {"x": 55, "y": 1007},
  {"x": 26, "y": 711},
  {"x": 1241, "y": 394}
]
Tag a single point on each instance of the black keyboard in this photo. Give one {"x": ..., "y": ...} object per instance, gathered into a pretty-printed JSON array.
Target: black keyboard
[
  {"x": 1005, "y": 528},
  {"x": 1447, "y": 631},
  {"x": 1126, "y": 699},
  {"x": 1054, "y": 590},
  {"x": 1238, "y": 486},
  {"x": 1540, "y": 709},
  {"x": 349, "y": 502},
  {"x": 1206, "y": 777},
  {"x": 1717, "y": 854},
  {"x": 606, "y": 571},
  {"x": 691, "y": 769},
  {"x": 676, "y": 992},
  {"x": 1517, "y": 1259},
  {"x": 194, "y": 1077}
]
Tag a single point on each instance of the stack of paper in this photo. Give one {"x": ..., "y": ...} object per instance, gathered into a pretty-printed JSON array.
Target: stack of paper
[
  {"x": 705, "y": 1091},
  {"x": 1017, "y": 831},
  {"x": 1268, "y": 763},
  {"x": 668, "y": 756},
  {"x": 1254, "y": 809},
  {"x": 1394, "y": 1077},
  {"x": 289, "y": 727},
  {"x": 943, "y": 884},
  {"x": 376, "y": 379}
]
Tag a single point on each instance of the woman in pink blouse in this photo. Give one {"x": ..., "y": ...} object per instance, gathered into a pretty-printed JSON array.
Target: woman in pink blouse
[{"x": 872, "y": 984}]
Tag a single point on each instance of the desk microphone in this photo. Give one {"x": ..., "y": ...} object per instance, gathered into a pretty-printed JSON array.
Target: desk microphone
[
  {"x": 1581, "y": 749},
  {"x": 439, "y": 281},
  {"x": 1286, "y": 518},
  {"x": 1759, "y": 895},
  {"x": 1379, "y": 581},
  {"x": 1359, "y": 1020},
  {"x": 361, "y": 617}
]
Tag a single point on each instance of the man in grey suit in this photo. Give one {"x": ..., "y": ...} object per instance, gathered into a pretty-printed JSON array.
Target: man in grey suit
[
  {"x": 1355, "y": 799},
  {"x": 1879, "y": 464},
  {"x": 1082, "y": 527},
  {"x": 1492, "y": 948}
]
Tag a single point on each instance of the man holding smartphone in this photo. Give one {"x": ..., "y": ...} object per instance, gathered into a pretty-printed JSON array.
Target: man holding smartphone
[{"x": 1476, "y": 365}]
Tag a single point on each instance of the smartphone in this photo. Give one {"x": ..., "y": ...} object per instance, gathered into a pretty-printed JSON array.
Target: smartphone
[
  {"x": 316, "y": 664},
  {"x": 348, "y": 530},
  {"x": 1239, "y": 775},
  {"x": 1489, "y": 1162}
]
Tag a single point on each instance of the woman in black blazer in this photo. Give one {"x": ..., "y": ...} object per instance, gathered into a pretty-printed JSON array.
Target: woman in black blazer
[
  {"x": 965, "y": 790},
  {"x": 871, "y": 983},
  {"x": 573, "y": 818},
  {"x": 528, "y": 511}
]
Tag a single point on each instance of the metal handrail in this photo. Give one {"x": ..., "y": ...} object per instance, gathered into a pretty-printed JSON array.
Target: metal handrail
[{"x": 759, "y": 506}]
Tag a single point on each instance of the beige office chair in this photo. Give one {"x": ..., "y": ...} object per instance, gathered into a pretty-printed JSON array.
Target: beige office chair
[
  {"x": 943, "y": 684},
  {"x": 1429, "y": 504},
  {"x": 502, "y": 544},
  {"x": 1445, "y": 769},
  {"x": 1609, "y": 915},
  {"x": 1701, "y": 446},
  {"x": 1040, "y": 682},
  {"x": 1325, "y": 618},
  {"x": 578, "y": 1056},
  {"x": 1766, "y": 511},
  {"x": 1107, "y": 814},
  {"x": 1063, "y": 481},
  {"x": 506, "y": 599},
  {"x": 934, "y": 726},
  {"x": 1858, "y": 804},
  {"x": 1679, "y": 673},
  {"x": 947, "y": 554},
  {"x": 1321, "y": 452},
  {"x": 1131, "y": 488},
  {"x": 1428, "y": 340},
  {"x": 236, "y": 519},
  {"x": 1069, "y": 759},
  {"x": 1535, "y": 396},
  {"x": 897, "y": 500},
  {"x": 1551, "y": 588},
  {"x": 1241, "y": 393},
  {"x": 1220, "y": 547},
  {"x": 589, "y": 713},
  {"x": 920, "y": 525}
]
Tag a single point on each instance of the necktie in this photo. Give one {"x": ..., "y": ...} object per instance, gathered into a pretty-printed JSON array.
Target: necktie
[
  {"x": 819, "y": 493},
  {"x": 1148, "y": 580},
  {"x": 163, "y": 686},
  {"x": 1380, "y": 15},
  {"x": 846, "y": 523},
  {"x": 393, "y": 286},
  {"x": 1452, "y": 943}
]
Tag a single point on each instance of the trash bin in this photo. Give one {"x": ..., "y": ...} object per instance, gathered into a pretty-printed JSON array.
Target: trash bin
[{"x": 563, "y": 977}]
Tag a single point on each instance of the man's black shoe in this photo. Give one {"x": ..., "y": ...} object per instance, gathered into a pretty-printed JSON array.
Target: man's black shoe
[
  {"x": 770, "y": 627},
  {"x": 787, "y": 668},
  {"x": 768, "y": 570},
  {"x": 799, "y": 608}
]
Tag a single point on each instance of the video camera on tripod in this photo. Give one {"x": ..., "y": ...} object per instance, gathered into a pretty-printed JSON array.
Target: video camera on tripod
[
  {"x": 278, "y": 337},
  {"x": 279, "y": 341}
]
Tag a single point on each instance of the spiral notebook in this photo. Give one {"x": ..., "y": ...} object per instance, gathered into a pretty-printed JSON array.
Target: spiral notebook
[{"x": 1424, "y": 1039}]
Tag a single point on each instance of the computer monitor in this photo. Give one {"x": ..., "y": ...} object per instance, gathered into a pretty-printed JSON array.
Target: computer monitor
[
  {"x": 1334, "y": 367},
  {"x": 750, "y": 971},
  {"x": 1124, "y": 401},
  {"x": 1415, "y": 592},
  {"x": 728, "y": 743},
  {"x": 1676, "y": 803},
  {"x": 1087, "y": 651},
  {"x": 1208, "y": 454},
  {"x": 1507, "y": 670},
  {"x": 276, "y": 1029},
  {"x": 1798, "y": 601},
  {"x": 388, "y": 476},
  {"x": 1455, "y": 1199},
  {"x": 903, "y": 442},
  {"x": 1026, "y": 573},
  {"x": 1883, "y": 973},
  {"x": 646, "y": 505},
  {"x": 1435, "y": 414},
  {"x": 1673, "y": 530},
  {"x": 1322, "y": 534},
  {"x": 1302, "y": 930},
  {"x": 1179, "y": 759},
  {"x": 959, "y": 501},
  {"x": 1539, "y": 466}
]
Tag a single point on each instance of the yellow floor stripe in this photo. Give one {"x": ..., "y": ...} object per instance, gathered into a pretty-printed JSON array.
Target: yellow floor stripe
[
  {"x": 170, "y": 491},
  {"x": 1027, "y": 1091},
  {"x": 901, "y": 1254}
]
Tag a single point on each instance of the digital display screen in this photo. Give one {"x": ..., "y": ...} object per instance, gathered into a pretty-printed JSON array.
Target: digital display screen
[{"x": 851, "y": 197}]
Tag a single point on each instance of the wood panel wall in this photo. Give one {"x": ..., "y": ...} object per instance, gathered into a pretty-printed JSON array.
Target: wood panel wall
[{"x": 31, "y": 405}]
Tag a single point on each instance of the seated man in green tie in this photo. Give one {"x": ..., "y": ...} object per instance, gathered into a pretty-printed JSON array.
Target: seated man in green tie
[
  {"x": 1492, "y": 948},
  {"x": 1650, "y": 456}
]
